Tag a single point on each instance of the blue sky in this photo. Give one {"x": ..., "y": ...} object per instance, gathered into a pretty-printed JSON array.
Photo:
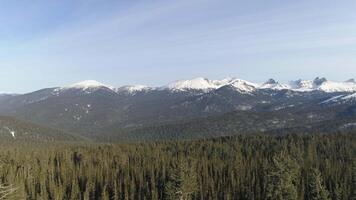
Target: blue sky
[{"x": 45, "y": 43}]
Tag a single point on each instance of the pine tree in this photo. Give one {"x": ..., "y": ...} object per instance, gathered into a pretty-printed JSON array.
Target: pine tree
[
  {"x": 337, "y": 195},
  {"x": 182, "y": 183},
  {"x": 353, "y": 186},
  {"x": 6, "y": 190},
  {"x": 282, "y": 179},
  {"x": 316, "y": 188}
]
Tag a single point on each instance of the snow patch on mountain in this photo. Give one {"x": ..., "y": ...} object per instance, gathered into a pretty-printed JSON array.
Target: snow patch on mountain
[
  {"x": 349, "y": 125},
  {"x": 341, "y": 99},
  {"x": 333, "y": 99},
  {"x": 351, "y": 96},
  {"x": 11, "y": 131}
]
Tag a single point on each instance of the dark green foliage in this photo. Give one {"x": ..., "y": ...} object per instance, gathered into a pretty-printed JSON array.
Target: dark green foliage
[
  {"x": 282, "y": 178},
  {"x": 317, "y": 189},
  {"x": 324, "y": 120},
  {"x": 182, "y": 181},
  {"x": 12, "y": 129},
  {"x": 353, "y": 187},
  {"x": 242, "y": 167}
]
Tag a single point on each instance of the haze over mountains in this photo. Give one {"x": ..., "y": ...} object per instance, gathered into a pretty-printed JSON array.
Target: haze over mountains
[{"x": 180, "y": 109}]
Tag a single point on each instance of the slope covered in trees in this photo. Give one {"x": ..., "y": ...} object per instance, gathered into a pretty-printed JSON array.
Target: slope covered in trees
[
  {"x": 241, "y": 167},
  {"x": 12, "y": 129},
  {"x": 326, "y": 120}
]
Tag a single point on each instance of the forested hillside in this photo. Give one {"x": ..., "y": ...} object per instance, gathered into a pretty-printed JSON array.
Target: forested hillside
[
  {"x": 325, "y": 120},
  {"x": 12, "y": 129},
  {"x": 242, "y": 167}
]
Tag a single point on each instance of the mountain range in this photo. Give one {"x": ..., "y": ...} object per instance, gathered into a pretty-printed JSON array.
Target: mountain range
[{"x": 181, "y": 109}]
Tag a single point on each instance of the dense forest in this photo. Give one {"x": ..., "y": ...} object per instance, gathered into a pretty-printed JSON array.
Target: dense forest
[{"x": 241, "y": 167}]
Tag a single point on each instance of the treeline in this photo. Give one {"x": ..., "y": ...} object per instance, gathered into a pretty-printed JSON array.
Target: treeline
[
  {"x": 242, "y": 167},
  {"x": 242, "y": 122}
]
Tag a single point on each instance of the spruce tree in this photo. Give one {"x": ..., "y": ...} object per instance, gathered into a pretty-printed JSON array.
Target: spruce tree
[
  {"x": 182, "y": 184},
  {"x": 316, "y": 188},
  {"x": 353, "y": 186},
  {"x": 6, "y": 190},
  {"x": 282, "y": 179},
  {"x": 337, "y": 194}
]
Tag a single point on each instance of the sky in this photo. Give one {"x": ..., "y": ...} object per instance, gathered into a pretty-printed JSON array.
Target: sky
[{"x": 48, "y": 43}]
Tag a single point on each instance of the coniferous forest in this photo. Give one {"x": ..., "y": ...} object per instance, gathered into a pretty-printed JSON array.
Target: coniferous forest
[{"x": 256, "y": 166}]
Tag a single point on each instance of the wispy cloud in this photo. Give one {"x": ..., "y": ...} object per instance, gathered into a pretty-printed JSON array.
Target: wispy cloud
[{"x": 165, "y": 40}]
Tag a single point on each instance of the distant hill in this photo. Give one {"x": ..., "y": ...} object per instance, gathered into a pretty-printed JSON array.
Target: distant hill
[{"x": 16, "y": 130}]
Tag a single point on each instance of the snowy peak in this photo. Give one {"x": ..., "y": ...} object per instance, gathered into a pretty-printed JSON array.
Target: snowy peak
[
  {"x": 193, "y": 84},
  {"x": 318, "y": 84},
  {"x": 351, "y": 80},
  {"x": 322, "y": 84},
  {"x": 271, "y": 81},
  {"x": 88, "y": 84},
  {"x": 133, "y": 89},
  {"x": 331, "y": 86},
  {"x": 201, "y": 84},
  {"x": 302, "y": 85},
  {"x": 243, "y": 86},
  {"x": 274, "y": 85},
  {"x": 204, "y": 84},
  {"x": 319, "y": 81}
]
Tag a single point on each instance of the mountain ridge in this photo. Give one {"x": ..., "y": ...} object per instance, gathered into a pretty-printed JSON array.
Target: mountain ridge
[
  {"x": 91, "y": 108},
  {"x": 205, "y": 84}
]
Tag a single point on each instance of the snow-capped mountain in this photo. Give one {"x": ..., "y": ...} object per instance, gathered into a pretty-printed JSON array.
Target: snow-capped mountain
[
  {"x": 204, "y": 85},
  {"x": 242, "y": 85},
  {"x": 200, "y": 83},
  {"x": 274, "y": 85},
  {"x": 322, "y": 84},
  {"x": 133, "y": 89},
  {"x": 318, "y": 84},
  {"x": 351, "y": 80},
  {"x": 331, "y": 86},
  {"x": 302, "y": 85},
  {"x": 88, "y": 85}
]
